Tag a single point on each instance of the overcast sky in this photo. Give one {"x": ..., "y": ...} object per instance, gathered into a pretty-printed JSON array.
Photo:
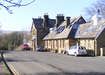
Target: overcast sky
[{"x": 21, "y": 19}]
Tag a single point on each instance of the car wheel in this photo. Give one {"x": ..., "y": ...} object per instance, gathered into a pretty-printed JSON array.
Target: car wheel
[
  {"x": 67, "y": 53},
  {"x": 75, "y": 54}
]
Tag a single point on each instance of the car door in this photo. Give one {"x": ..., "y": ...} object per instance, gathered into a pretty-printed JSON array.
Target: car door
[
  {"x": 71, "y": 50},
  {"x": 75, "y": 50},
  {"x": 82, "y": 51}
]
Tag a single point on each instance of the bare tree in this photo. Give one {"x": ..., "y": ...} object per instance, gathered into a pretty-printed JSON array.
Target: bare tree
[
  {"x": 98, "y": 5},
  {"x": 8, "y": 4}
]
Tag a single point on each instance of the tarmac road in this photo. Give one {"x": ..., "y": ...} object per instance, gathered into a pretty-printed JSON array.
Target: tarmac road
[{"x": 46, "y": 63}]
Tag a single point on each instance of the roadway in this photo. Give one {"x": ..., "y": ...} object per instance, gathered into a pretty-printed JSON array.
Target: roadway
[{"x": 47, "y": 63}]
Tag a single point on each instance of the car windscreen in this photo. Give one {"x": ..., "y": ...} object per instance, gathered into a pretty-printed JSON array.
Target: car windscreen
[
  {"x": 82, "y": 48},
  {"x": 25, "y": 45},
  {"x": 73, "y": 47}
]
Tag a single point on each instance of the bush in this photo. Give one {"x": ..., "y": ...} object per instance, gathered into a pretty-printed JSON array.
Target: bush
[{"x": 11, "y": 40}]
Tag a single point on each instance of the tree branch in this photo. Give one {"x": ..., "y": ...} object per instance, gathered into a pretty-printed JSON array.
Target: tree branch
[
  {"x": 99, "y": 4},
  {"x": 7, "y": 4}
]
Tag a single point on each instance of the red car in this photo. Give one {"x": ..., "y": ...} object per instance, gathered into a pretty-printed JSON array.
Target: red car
[{"x": 25, "y": 47}]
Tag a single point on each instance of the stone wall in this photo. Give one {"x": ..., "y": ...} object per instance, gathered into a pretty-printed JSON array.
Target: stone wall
[
  {"x": 59, "y": 45},
  {"x": 89, "y": 44},
  {"x": 101, "y": 42}
]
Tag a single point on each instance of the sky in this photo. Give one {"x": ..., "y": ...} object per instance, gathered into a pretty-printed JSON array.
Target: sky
[{"x": 21, "y": 19}]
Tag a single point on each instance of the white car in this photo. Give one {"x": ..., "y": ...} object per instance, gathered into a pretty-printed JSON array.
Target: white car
[{"x": 77, "y": 50}]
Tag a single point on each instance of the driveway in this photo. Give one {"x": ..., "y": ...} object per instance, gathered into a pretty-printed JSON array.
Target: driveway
[{"x": 46, "y": 63}]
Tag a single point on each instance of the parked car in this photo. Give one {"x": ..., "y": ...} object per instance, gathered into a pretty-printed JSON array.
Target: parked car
[
  {"x": 77, "y": 50},
  {"x": 39, "y": 48},
  {"x": 25, "y": 47}
]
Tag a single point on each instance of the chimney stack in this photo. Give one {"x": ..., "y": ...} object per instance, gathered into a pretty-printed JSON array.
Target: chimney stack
[
  {"x": 45, "y": 20},
  {"x": 59, "y": 19},
  {"x": 67, "y": 21},
  {"x": 96, "y": 18}
]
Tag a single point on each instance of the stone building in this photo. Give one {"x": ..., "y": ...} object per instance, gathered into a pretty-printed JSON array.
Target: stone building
[
  {"x": 77, "y": 32},
  {"x": 63, "y": 35},
  {"x": 40, "y": 28}
]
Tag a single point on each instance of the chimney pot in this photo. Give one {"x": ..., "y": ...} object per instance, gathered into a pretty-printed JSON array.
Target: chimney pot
[
  {"x": 67, "y": 21},
  {"x": 45, "y": 20},
  {"x": 59, "y": 19}
]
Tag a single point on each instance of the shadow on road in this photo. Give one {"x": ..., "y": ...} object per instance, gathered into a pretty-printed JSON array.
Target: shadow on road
[
  {"x": 20, "y": 60},
  {"x": 68, "y": 73}
]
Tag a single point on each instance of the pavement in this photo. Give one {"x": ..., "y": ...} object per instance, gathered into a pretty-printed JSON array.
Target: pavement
[
  {"x": 2, "y": 69},
  {"x": 47, "y": 63}
]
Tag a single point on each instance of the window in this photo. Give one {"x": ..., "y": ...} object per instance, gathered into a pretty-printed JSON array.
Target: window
[
  {"x": 33, "y": 32},
  {"x": 60, "y": 29},
  {"x": 46, "y": 44},
  {"x": 85, "y": 43},
  {"x": 88, "y": 44},
  {"x": 51, "y": 43},
  {"x": 55, "y": 44},
  {"x": 25, "y": 44},
  {"x": 63, "y": 43},
  {"x": 75, "y": 26},
  {"x": 73, "y": 47},
  {"x": 60, "y": 43},
  {"x": 80, "y": 21},
  {"x": 81, "y": 48}
]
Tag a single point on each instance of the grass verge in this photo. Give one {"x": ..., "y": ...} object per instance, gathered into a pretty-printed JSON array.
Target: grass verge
[
  {"x": 6, "y": 70},
  {"x": 18, "y": 48}
]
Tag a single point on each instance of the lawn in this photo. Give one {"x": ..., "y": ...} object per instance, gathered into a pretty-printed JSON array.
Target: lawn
[{"x": 18, "y": 48}]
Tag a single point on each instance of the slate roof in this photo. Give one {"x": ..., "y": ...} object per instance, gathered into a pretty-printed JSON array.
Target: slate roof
[
  {"x": 38, "y": 22},
  {"x": 65, "y": 33},
  {"x": 88, "y": 30}
]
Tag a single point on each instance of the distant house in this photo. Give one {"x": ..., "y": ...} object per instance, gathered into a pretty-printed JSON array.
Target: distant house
[
  {"x": 63, "y": 35},
  {"x": 39, "y": 29}
]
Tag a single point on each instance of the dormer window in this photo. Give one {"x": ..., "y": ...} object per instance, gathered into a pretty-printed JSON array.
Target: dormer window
[
  {"x": 81, "y": 21},
  {"x": 60, "y": 29},
  {"x": 75, "y": 26}
]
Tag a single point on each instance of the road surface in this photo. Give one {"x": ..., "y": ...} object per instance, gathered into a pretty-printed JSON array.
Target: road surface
[{"x": 46, "y": 63}]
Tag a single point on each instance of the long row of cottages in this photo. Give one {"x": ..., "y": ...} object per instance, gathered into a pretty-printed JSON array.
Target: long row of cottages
[{"x": 61, "y": 33}]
